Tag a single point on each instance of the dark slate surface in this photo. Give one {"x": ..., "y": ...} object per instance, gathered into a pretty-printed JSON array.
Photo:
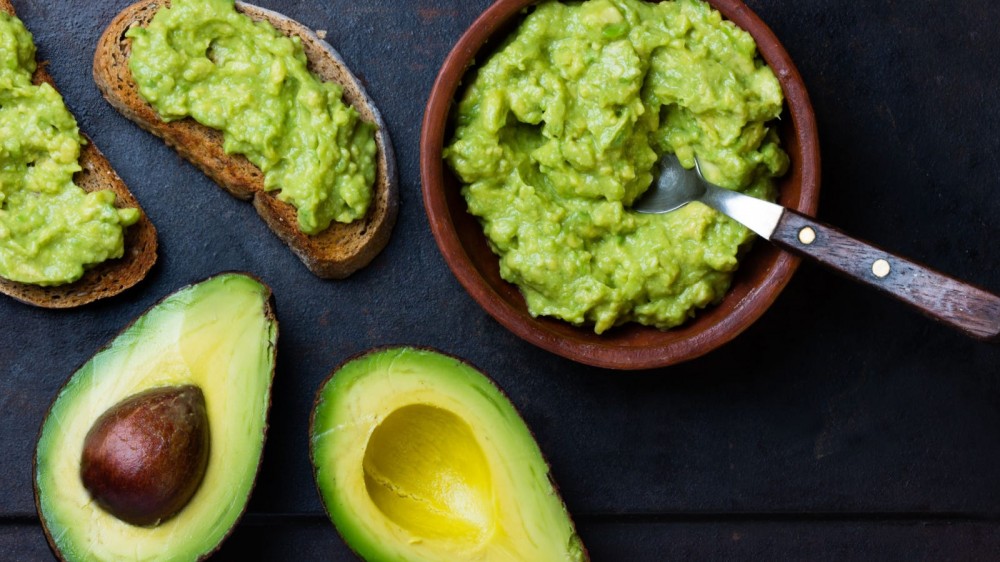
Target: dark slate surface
[{"x": 840, "y": 426}]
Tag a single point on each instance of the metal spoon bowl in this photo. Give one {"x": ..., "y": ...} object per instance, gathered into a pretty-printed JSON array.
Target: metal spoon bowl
[{"x": 967, "y": 308}]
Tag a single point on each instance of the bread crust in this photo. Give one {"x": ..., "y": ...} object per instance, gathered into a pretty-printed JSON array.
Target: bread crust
[
  {"x": 335, "y": 253},
  {"x": 107, "y": 278}
]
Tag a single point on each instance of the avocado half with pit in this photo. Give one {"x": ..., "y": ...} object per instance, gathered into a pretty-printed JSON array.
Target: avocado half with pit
[
  {"x": 151, "y": 449},
  {"x": 420, "y": 457}
]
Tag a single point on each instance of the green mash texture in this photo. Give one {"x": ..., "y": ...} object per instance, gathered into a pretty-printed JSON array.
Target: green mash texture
[
  {"x": 50, "y": 229},
  {"x": 203, "y": 59},
  {"x": 559, "y": 132}
]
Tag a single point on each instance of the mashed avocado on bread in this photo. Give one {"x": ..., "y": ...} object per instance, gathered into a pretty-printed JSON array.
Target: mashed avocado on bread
[
  {"x": 50, "y": 229},
  {"x": 559, "y": 132},
  {"x": 203, "y": 59}
]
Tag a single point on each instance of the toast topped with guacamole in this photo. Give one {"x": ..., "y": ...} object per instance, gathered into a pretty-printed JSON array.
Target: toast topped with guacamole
[
  {"x": 268, "y": 111},
  {"x": 70, "y": 230}
]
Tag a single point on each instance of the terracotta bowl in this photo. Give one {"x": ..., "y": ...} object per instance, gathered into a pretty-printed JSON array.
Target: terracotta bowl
[{"x": 762, "y": 275}]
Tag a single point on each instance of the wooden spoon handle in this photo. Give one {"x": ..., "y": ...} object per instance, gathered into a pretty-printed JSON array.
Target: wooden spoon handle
[{"x": 969, "y": 309}]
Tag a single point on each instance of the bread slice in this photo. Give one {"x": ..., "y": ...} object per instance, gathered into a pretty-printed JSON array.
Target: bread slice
[
  {"x": 108, "y": 278},
  {"x": 336, "y": 252}
]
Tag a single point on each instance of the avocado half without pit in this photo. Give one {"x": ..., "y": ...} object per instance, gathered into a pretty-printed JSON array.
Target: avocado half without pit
[
  {"x": 420, "y": 457},
  {"x": 151, "y": 449}
]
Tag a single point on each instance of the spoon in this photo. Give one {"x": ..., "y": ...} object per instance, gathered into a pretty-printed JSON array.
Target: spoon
[{"x": 969, "y": 309}]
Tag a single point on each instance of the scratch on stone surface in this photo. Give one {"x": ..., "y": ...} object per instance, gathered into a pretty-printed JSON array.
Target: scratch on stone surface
[
  {"x": 887, "y": 111},
  {"x": 839, "y": 420},
  {"x": 428, "y": 15}
]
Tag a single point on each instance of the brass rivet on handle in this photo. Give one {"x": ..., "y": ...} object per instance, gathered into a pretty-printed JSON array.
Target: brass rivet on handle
[
  {"x": 807, "y": 235},
  {"x": 881, "y": 268}
]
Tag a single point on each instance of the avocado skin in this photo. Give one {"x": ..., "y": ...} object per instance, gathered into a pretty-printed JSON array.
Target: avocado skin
[
  {"x": 573, "y": 548},
  {"x": 269, "y": 318}
]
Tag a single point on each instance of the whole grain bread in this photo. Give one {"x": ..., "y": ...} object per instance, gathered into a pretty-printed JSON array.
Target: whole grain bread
[
  {"x": 336, "y": 252},
  {"x": 110, "y": 277}
]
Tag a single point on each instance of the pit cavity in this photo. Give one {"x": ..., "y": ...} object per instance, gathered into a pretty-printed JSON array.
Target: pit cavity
[{"x": 425, "y": 471}]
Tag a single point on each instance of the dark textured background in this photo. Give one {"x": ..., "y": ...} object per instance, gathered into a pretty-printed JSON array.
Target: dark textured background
[{"x": 840, "y": 426}]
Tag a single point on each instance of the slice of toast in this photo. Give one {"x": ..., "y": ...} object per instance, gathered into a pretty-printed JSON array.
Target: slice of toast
[
  {"x": 110, "y": 277},
  {"x": 334, "y": 253}
]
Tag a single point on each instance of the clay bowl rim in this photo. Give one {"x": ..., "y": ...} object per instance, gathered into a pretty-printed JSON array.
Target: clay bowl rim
[{"x": 763, "y": 272}]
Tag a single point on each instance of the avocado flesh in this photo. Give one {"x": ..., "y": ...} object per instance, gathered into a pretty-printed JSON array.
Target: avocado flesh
[
  {"x": 419, "y": 457},
  {"x": 219, "y": 335}
]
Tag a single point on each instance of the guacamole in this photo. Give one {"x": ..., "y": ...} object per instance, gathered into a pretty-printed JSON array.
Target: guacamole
[
  {"x": 559, "y": 131},
  {"x": 203, "y": 59},
  {"x": 50, "y": 229}
]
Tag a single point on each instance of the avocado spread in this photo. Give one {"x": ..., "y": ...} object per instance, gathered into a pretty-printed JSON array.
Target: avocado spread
[
  {"x": 203, "y": 59},
  {"x": 560, "y": 130},
  {"x": 50, "y": 229}
]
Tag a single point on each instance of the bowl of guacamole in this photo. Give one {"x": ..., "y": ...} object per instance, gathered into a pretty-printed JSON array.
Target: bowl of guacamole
[{"x": 546, "y": 123}]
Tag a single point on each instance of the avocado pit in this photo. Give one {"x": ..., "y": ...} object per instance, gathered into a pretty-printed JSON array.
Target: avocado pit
[{"x": 145, "y": 457}]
